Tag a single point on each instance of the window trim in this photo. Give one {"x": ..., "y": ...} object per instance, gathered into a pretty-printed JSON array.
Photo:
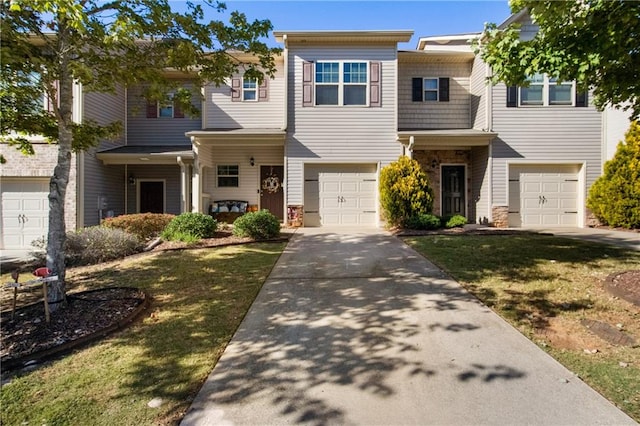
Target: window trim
[
  {"x": 160, "y": 106},
  {"x": 546, "y": 90},
  {"x": 341, "y": 83},
  {"x": 219, "y": 175}
]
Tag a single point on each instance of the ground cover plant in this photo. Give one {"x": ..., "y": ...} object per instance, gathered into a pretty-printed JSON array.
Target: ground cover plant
[
  {"x": 547, "y": 287},
  {"x": 198, "y": 299}
]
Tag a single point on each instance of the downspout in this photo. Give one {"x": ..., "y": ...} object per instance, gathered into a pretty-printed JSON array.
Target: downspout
[
  {"x": 126, "y": 189},
  {"x": 489, "y": 122},
  {"x": 126, "y": 142},
  {"x": 78, "y": 117},
  {"x": 285, "y": 123}
]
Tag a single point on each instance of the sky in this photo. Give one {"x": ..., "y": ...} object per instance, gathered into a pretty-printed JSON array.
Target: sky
[{"x": 425, "y": 18}]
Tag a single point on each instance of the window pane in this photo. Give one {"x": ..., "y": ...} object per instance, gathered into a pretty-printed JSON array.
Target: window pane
[
  {"x": 227, "y": 181},
  {"x": 166, "y": 111},
  {"x": 560, "y": 94},
  {"x": 430, "y": 84},
  {"x": 355, "y": 72},
  {"x": 249, "y": 84},
  {"x": 536, "y": 78},
  {"x": 327, "y": 72},
  {"x": 327, "y": 95},
  {"x": 531, "y": 95},
  {"x": 249, "y": 95},
  {"x": 355, "y": 95},
  {"x": 430, "y": 95}
]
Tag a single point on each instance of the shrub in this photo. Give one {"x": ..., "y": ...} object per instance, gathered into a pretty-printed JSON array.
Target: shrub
[
  {"x": 405, "y": 191},
  {"x": 144, "y": 225},
  {"x": 455, "y": 221},
  {"x": 92, "y": 245},
  {"x": 260, "y": 225},
  {"x": 614, "y": 198},
  {"x": 422, "y": 221},
  {"x": 190, "y": 227}
]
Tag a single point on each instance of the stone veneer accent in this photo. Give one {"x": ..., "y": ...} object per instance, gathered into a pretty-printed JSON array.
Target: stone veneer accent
[
  {"x": 500, "y": 216},
  {"x": 295, "y": 216},
  {"x": 41, "y": 165},
  {"x": 450, "y": 157}
]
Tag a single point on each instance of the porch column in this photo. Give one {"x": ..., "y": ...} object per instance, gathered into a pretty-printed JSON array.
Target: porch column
[
  {"x": 185, "y": 185},
  {"x": 196, "y": 187}
]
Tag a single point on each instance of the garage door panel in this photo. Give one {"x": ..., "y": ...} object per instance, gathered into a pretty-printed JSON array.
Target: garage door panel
[
  {"x": 347, "y": 195},
  {"x": 544, "y": 195},
  {"x": 25, "y": 212}
]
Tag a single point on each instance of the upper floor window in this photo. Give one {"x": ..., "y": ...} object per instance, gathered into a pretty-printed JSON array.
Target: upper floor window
[
  {"x": 228, "y": 176},
  {"x": 249, "y": 89},
  {"x": 430, "y": 89},
  {"x": 341, "y": 83},
  {"x": 157, "y": 109},
  {"x": 543, "y": 90}
]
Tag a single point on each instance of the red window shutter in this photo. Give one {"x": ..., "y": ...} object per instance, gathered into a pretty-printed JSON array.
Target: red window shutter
[
  {"x": 375, "y": 96},
  {"x": 263, "y": 90},
  {"x": 235, "y": 90},
  {"x": 307, "y": 84},
  {"x": 177, "y": 111},
  {"x": 152, "y": 109}
]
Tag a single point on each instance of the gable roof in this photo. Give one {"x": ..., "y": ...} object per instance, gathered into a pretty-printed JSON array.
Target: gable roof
[{"x": 344, "y": 36}]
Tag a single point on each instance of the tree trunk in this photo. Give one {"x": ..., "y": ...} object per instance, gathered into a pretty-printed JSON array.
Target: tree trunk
[{"x": 59, "y": 180}]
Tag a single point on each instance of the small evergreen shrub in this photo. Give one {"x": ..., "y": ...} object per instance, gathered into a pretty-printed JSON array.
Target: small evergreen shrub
[
  {"x": 95, "y": 244},
  {"x": 455, "y": 221},
  {"x": 405, "y": 191},
  {"x": 144, "y": 225},
  {"x": 614, "y": 198},
  {"x": 260, "y": 225},
  {"x": 190, "y": 227},
  {"x": 422, "y": 221}
]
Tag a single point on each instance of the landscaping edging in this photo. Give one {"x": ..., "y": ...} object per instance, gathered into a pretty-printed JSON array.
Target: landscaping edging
[{"x": 14, "y": 363}]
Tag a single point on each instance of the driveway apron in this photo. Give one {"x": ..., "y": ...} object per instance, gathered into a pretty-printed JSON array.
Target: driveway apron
[{"x": 356, "y": 328}]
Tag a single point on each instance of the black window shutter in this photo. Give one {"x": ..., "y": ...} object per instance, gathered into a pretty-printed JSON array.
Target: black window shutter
[
  {"x": 443, "y": 89},
  {"x": 512, "y": 96},
  {"x": 416, "y": 89},
  {"x": 581, "y": 99}
]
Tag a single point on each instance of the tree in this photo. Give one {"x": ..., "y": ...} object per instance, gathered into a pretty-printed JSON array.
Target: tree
[
  {"x": 594, "y": 42},
  {"x": 47, "y": 45},
  {"x": 614, "y": 198},
  {"x": 405, "y": 190}
]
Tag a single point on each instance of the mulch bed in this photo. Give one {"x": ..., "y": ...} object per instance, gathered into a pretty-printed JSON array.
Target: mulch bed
[
  {"x": 625, "y": 285},
  {"x": 87, "y": 314}
]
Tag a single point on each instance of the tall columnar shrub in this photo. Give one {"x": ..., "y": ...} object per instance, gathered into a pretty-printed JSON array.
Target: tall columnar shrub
[
  {"x": 405, "y": 191},
  {"x": 614, "y": 198}
]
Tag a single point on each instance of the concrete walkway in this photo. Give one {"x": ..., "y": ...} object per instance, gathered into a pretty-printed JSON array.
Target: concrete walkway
[
  {"x": 622, "y": 239},
  {"x": 359, "y": 329}
]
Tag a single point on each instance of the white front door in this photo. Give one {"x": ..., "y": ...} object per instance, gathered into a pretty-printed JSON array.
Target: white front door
[
  {"x": 25, "y": 212},
  {"x": 543, "y": 195},
  {"x": 340, "y": 195}
]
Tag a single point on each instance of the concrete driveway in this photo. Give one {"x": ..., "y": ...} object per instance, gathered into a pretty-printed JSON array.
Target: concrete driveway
[{"x": 359, "y": 329}]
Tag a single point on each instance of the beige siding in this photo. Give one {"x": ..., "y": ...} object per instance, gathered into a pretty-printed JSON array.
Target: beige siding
[
  {"x": 249, "y": 176},
  {"x": 478, "y": 92},
  {"x": 544, "y": 135},
  {"x": 222, "y": 113},
  {"x": 158, "y": 131},
  {"x": 480, "y": 182},
  {"x": 101, "y": 180},
  {"x": 434, "y": 115},
  {"x": 339, "y": 134}
]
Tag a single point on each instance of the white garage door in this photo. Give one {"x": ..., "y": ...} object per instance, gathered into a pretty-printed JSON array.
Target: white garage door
[
  {"x": 25, "y": 212},
  {"x": 543, "y": 195},
  {"x": 340, "y": 195}
]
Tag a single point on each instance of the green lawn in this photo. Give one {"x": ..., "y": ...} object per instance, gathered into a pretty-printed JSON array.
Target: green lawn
[
  {"x": 199, "y": 298},
  {"x": 545, "y": 286}
]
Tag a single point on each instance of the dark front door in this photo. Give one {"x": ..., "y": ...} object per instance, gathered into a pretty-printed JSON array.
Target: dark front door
[
  {"x": 152, "y": 197},
  {"x": 453, "y": 190},
  {"x": 271, "y": 192}
]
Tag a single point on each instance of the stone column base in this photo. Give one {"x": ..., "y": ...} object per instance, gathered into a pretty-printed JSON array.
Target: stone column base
[{"x": 500, "y": 216}]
